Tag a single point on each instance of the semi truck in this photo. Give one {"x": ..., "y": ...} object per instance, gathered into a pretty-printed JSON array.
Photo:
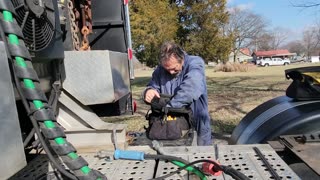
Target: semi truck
[
  {"x": 65, "y": 64},
  {"x": 70, "y": 63}
]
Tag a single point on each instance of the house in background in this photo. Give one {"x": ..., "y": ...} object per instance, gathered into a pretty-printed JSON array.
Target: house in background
[
  {"x": 242, "y": 56},
  {"x": 280, "y": 53}
]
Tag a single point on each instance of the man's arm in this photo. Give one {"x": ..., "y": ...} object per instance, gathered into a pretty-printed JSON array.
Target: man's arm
[
  {"x": 153, "y": 87},
  {"x": 191, "y": 87}
]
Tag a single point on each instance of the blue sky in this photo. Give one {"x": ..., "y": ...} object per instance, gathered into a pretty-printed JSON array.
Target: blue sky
[{"x": 280, "y": 13}]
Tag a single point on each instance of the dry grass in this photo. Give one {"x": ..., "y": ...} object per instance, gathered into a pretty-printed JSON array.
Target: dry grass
[
  {"x": 231, "y": 94},
  {"x": 234, "y": 67}
]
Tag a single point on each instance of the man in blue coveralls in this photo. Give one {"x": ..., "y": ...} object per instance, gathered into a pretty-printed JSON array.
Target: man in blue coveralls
[{"x": 182, "y": 76}]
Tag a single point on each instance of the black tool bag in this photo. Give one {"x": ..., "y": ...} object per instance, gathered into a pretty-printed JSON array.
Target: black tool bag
[
  {"x": 305, "y": 85},
  {"x": 168, "y": 123}
]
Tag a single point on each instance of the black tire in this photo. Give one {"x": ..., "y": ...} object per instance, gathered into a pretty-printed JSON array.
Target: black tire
[
  {"x": 266, "y": 65},
  {"x": 286, "y": 64}
]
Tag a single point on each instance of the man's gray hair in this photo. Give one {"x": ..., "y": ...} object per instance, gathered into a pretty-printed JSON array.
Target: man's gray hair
[{"x": 168, "y": 49}]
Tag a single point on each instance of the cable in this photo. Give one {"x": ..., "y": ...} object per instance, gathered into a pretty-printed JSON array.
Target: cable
[
  {"x": 28, "y": 138},
  {"x": 228, "y": 170},
  {"x": 179, "y": 162},
  {"x": 50, "y": 156},
  {"x": 234, "y": 173},
  {"x": 194, "y": 170},
  {"x": 172, "y": 173},
  {"x": 137, "y": 155},
  {"x": 165, "y": 157}
]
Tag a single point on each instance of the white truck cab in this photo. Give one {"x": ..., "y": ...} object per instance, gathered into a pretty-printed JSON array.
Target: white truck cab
[{"x": 273, "y": 62}]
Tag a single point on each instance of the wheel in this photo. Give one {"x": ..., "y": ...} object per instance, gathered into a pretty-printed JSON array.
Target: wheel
[
  {"x": 285, "y": 64},
  {"x": 266, "y": 65}
]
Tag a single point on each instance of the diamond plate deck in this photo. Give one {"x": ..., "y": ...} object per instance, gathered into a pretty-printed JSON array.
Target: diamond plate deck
[
  {"x": 117, "y": 169},
  {"x": 240, "y": 157}
]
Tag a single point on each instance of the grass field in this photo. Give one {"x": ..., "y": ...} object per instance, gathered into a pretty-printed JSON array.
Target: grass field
[{"x": 231, "y": 94}]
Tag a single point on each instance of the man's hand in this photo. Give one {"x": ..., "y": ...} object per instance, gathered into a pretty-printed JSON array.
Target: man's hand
[{"x": 150, "y": 95}]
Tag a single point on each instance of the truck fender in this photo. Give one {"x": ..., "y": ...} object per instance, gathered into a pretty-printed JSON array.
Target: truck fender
[{"x": 278, "y": 116}]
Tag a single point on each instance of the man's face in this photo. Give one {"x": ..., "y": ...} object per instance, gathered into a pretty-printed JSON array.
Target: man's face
[{"x": 173, "y": 66}]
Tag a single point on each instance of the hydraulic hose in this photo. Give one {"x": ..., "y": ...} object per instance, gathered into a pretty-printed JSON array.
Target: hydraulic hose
[
  {"x": 25, "y": 103},
  {"x": 201, "y": 175},
  {"x": 179, "y": 162},
  {"x": 228, "y": 170},
  {"x": 35, "y": 100},
  {"x": 49, "y": 154},
  {"x": 183, "y": 164},
  {"x": 137, "y": 155},
  {"x": 29, "y": 137}
]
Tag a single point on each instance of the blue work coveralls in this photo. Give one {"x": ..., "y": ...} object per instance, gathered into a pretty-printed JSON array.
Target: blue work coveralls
[{"x": 188, "y": 88}]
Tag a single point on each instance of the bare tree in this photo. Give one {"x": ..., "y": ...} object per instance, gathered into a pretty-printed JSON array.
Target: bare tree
[
  {"x": 279, "y": 36},
  {"x": 244, "y": 26},
  {"x": 311, "y": 39},
  {"x": 311, "y": 35},
  {"x": 272, "y": 39},
  {"x": 309, "y": 6},
  {"x": 263, "y": 42},
  {"x": 296, "y": 47},
  {"x": 304, "y": 4}
]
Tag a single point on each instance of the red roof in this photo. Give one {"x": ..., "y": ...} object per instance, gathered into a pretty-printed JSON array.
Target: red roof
[
  {"x": 273, "y": 52},
  {"x": 245, "y": 51}
]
